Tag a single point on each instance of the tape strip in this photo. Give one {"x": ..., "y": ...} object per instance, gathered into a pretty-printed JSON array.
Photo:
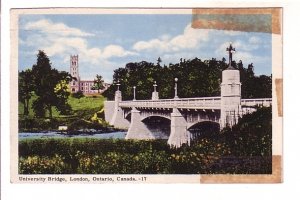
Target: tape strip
[
  {"x": 267, "y": 20},
  {"x": 278, "y": 85},
  {"x": 275, "y": 177}
]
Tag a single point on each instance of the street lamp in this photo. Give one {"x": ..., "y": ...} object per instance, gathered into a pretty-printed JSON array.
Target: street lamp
[
  {"x": 134, "y": 93},
  {"x": 118, "y": 84},
  {"x": 154, "y": 85},
  {"x": 175, "y": 88}
]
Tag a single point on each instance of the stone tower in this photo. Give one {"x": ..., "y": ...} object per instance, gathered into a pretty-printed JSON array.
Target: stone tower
[
  {"x": 230, "y": 93},
  {"x": 74, "y": 73}
]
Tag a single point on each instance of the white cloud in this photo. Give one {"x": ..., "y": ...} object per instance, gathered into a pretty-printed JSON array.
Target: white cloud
[
  {"x": 245, "y": 51},
  {"x": 115, "y": 51},
  {"x": 241, "y": 52},
  {"x": 246, "y": 57},
  {"x": 151, "y": 45},
  {"x": 165, "y": 37},
  {"x": 48, "y": 27},
  {"x": 58, "y": 39},
  {"x": 254, "y": 40},
  {"x": 232, "y": 33},
  {"x": 189, "y": 39},
  {"x": 64, "y": 46},
  {"x": 33, "y": 39},
  {"x": 242, "y": 46},
  {"x": 56, "y": 48}
]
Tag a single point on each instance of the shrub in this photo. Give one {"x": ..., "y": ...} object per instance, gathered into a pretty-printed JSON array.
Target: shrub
[
  {"x": 96, "y": 156},
  {"x": 78, "y": 94},
  {"x": 83, "y": 124},
  {"x": 42, "y": 165},
  {"x": 38, "y": 124}
]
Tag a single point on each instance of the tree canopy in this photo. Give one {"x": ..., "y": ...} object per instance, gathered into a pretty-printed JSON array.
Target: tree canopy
[
  {"x": 98, "y": 83},
  {"x": 26, "y": 87},
  {"x": 48, "y": 84},
  {"x": 196, "y": 78}
]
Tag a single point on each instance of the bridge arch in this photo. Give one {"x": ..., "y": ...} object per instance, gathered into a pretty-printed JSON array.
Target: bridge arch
[
  {"x": 128, "y": 116},
  {"x": 159, "y": 126},
  {"x": 203, "y": 129},
  {"x": 156, "y": 116},
  {"x": 147, "y": 113},
  {"x": 192, "y": 125}
]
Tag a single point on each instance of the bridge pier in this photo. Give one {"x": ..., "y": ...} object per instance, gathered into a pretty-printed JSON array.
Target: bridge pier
[
  {"x": 179, "y": 134},
  {"x": 230, "y": 97},
  {"x": 117, "y": 119},
  {"x": 137, "y": 129},
  {"x": 155, "y": 96}
]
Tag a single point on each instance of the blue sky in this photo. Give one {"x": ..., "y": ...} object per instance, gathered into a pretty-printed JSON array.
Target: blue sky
[{"x": 107, "y": 42}]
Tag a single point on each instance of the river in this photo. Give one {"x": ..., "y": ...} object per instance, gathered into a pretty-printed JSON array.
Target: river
[{"x": 113, "y": 135}]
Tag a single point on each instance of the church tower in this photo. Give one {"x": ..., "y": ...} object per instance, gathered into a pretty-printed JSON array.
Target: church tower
[
  {"x": 74, "y": 73},
  {"x": 230, "y": 93}
]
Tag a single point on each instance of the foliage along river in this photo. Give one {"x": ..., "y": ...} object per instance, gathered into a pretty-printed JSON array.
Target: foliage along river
[{"x": 114, "y": 135}]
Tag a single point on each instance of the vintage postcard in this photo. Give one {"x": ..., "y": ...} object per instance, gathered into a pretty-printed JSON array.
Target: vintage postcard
[{"x": 146, "y": 95}]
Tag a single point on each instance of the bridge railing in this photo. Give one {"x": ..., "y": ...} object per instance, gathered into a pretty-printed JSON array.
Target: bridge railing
[
  {"x": 200, "y": 103},
  {"x": 257, "y": 102}
]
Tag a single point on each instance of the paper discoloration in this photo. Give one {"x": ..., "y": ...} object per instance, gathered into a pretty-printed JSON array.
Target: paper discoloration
[
  {"x": 275, "y": 177},
  {"x": 266, "y": 20},
  {"x": 278, "y": 84}
]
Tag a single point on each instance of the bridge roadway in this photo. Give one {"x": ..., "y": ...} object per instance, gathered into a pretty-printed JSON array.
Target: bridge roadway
[{"x": 213, "y": 103}]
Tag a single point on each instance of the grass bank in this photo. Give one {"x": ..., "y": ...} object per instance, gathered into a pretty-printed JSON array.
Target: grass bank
[{"x": 87, "y": 112}]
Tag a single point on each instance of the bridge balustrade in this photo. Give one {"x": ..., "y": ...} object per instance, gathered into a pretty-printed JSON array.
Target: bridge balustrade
[
  {"x": 192, "y": 103},
  {"x": 257, "y": 102}
]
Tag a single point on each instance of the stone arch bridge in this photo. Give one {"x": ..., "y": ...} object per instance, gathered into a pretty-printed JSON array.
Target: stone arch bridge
[{"x": 179, "y": 115}]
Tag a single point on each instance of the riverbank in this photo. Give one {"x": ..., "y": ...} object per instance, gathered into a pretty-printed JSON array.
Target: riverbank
[
  {"x": 78, "y": 128},
  {"x": 86, "y": 114}
]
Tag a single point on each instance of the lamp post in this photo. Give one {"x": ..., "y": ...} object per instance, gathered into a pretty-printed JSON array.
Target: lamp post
[
  {"x": 175, "y": 88},
  {"x": 134, "y": 93},
  {"x": 118, "y": 84},
  {"x": 154, "y": 85}
]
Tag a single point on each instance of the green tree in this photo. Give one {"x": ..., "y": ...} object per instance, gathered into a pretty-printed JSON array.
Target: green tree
[
  {"x": 252, "y": 136},
  {"x": 159, "y": 61},
  {"x": 62, "y": 91},
  {"x": 196, "y": 78},
  {"x": 25, "y": 89},
  {"x": 46, "y": 79},
  {"x": 98, "y": 83}
]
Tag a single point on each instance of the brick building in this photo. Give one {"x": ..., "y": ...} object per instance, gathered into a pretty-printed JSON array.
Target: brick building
[{"x": 86, "y": 86}]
